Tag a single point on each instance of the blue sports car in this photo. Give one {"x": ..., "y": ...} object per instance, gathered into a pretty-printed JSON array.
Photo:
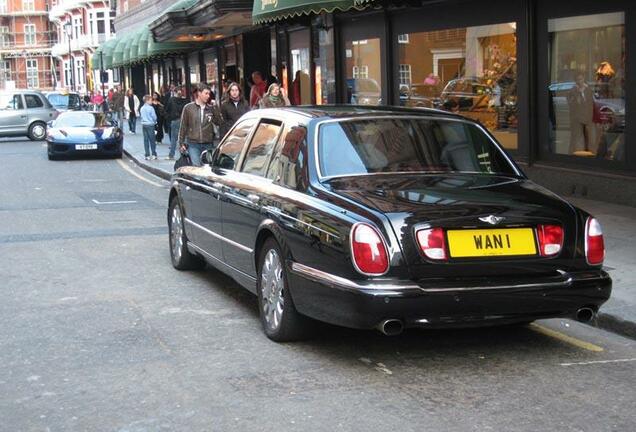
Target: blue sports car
[{"x": 84, "y": 133}]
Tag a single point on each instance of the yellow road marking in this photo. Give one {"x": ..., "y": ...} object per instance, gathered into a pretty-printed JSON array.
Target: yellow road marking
[
  {"x": 565, "y": 338},
  {"x": 140, "y": 177}
]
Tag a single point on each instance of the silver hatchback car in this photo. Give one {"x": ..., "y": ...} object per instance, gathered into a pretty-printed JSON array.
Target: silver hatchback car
[{"x": 25, "y": 113}]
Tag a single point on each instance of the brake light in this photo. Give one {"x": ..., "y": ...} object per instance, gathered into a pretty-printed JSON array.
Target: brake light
[
  {"x": 432, "y": 243},
  {"x": 550, "y": 239},
  {"x": 594, "y": 244},
  {"x": 368, "y": 250}
]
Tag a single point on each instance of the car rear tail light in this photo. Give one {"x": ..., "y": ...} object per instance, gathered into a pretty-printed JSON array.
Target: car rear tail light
[
  {"x": 550, "y": 239},
  {"x": 594, "y": 245},
  {"x": 432, "y": 243},
  {"x": 369, "y": 253}
]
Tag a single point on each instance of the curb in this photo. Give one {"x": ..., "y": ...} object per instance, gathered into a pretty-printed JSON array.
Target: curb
[
  {"x": 603, "y": 321},
  {"x": 151, "y": 169}
]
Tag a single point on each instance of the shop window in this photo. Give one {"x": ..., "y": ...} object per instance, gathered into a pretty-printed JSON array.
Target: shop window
[
  {"x": 325, "y": 68},
  {"x": 364, "y": 71},
  {"x": 470, "y": 70},
  {"x": 300, "y": 90},
  {"x": 586, "y": 93}
]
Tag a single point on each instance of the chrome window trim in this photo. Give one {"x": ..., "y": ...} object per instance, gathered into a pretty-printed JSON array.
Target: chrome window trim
[
  {"x": 322, "y": 178},
  {"x": 201, "y": 185},
  {"x": 220, "y": 237}
]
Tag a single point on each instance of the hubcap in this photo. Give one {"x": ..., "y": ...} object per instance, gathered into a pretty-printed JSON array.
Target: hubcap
[
  {"x": 38, "y": 131},
  {"x": 176, "y": 232},
  {"x": 272, "y": 285}
]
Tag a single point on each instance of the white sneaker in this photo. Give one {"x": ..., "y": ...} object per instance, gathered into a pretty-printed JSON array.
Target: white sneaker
[
  {"x": 154, "y": 157},
  {"x": 147, "y": 157}
]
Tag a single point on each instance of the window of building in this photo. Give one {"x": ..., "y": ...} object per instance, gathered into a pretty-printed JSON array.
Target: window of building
[
  {"x": 29, "y": 34},
  {"x": 586, "y": 93},
  {"x": 3, "y": 6},
  {"x": 403, "y": 38},
  {"x": 360, "y": 72},
  {"x": 78, "y": 29},
  {"x": 5, "y": 38},
  {"x": 28, "y": 5},
  {"x": 405, "y": 75},
  {"x": 5, "y": 70},
  {"x": 101, "y": 23},
  {"x": 470, "y": 70},
  {"x": 33, "y": 80},
  {"x": 326, "y": 68},
  {"x": 81, "y": 71},
  {"x": 67, "y": 73}
]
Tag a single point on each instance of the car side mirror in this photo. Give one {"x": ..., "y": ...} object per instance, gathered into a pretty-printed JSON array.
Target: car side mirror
[
  {"x": 206, "y": 157},
  {"x": 226, "y": 162}
]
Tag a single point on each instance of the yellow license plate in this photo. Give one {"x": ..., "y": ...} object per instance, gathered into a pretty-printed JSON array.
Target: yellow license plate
[{"x": 493, "y": 242}]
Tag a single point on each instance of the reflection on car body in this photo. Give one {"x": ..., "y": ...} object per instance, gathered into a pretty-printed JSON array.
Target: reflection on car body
[{"x": 383, "y": 218}]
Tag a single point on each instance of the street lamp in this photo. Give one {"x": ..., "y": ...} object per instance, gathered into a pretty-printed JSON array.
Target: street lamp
[
  {"x": 68, "y": 28},
  {"x": 101, "y": 72}
]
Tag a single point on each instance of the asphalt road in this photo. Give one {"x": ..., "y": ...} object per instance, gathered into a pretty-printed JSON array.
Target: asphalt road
[{"x": 99, "y": 333}]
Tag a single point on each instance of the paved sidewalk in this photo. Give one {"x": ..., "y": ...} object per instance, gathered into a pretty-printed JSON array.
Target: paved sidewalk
[{"x": 619, "y": 227}]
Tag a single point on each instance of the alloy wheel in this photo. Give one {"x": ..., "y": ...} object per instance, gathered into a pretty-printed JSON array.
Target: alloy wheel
[
  {"x": 272, "y": 285},
  {"x": 176, "y": 232}
]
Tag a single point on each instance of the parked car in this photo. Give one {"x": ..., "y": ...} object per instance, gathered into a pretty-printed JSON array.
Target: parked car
[
  {"x": 363, "y": 91},
  {"x": 84, "y": 133},
  {"x": 66, "y": 101},
  {"x": 383, "y": 218},
  {"x": 420, "y": 96},
  {"x": 469, "y": 93},
  {"x": 609, "y": 111},
  {"x": 25, "y": 113}
]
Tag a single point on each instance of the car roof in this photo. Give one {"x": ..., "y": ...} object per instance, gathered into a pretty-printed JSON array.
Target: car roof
[
  {"x": 20, "y": 91},
  {"x": 358, "y": 111}
]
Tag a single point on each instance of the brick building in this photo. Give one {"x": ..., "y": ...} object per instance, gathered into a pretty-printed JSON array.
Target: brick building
[{"x": 26, "y": 38}]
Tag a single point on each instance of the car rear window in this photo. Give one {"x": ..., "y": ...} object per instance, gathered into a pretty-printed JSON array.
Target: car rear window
[{"x": 354, "y": 147}]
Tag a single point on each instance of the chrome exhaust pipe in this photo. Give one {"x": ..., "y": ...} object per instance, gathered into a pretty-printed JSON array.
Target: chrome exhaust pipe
[
  {"x": 585, "y": 314},
  {"x": 391, "y": 327}
]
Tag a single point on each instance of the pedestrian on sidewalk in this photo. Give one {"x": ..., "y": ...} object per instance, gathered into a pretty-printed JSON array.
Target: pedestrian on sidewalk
[
  {"x": 160, "y": 111},
  {"x": 148, "y": 123},
  {"x": 258, "y": 89},
  {"x": 233, "y": 106},
  {"x": 173, "y": 116},
  {"x": 274, "y": 98},
  {"x": 118, "y": 106},
  {"x": 131, "y": 106},
  {"x": 197, "y": 124}
]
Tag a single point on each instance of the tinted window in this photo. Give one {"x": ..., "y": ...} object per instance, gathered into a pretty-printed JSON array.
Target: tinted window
[
  {"x": 408, "y": 145},
  {"x": 289, "y": 164},
  {"x": 80, "y": 119},
  {"x": 33, "y": 101},
  {"x": 261, "y": 147},
  {"x": 58, "y": 100},
  {"x": 233, "y": 144}
]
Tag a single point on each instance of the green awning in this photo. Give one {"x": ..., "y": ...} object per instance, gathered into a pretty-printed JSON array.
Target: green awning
[
  {"x": 156, "y": 49},
  {"x": 142, "y": 50},
  {"x": 273, "y": 10},
  {"x": 107, "y": 52}
]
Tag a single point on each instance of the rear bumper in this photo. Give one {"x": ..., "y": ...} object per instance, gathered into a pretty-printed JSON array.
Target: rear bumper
[{"x": 364, "y": 304}]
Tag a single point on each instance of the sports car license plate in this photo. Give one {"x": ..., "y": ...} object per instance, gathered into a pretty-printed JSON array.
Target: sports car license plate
[
  {"x": 85, "y": 146},
  {"x": 494, "y": 242}
]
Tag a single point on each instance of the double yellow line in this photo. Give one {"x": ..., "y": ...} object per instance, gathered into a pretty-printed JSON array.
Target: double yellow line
[{"x": 565, "y": 338}]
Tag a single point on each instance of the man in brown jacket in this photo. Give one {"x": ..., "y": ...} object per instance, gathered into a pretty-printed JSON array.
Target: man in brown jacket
[
  {"x": 117, "y": 105},
  {"x": 197, "y": 124},
  {"x": 581, "y": 104}
]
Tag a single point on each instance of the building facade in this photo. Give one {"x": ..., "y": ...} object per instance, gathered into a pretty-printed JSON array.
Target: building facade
[
  {"x": 80, "y": 27},
  {"x": 26, "y": 37}
]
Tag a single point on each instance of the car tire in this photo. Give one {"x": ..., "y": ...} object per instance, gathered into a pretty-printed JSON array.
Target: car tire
[
  {"x": 181, "y": 257},
  {"x": 279, "y": 318},
  {"x": 37, "y": 131}
]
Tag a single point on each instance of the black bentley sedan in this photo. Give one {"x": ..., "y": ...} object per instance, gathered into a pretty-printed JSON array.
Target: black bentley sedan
[
  {"x": 383, "y": 218},
  {"x": 83, "y": 133}
]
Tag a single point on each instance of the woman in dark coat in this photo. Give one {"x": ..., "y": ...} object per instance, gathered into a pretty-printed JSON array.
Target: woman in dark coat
[
  {"x": 160, "y": 111},
  {"x": 233, "y": 106}
]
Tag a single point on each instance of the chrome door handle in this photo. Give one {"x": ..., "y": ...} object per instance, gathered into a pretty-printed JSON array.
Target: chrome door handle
[{"x": 253, "y": 198}]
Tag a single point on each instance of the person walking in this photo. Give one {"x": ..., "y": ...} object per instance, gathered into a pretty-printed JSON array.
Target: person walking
[
  {"x": 197, "y": 125},
  {"x": 258, "y": 89},
  {"x": 581, "y": 103},
  {"x": 274, "y": 98},
  {"x": 160, "y": 111},
  {"x": 148, "y": 124},
  {"x": 118, "y": 106},
  {"x": 173, "y": 116},
  {"x": 233, "y": 106},
  {"x": 131, "y": 108}
]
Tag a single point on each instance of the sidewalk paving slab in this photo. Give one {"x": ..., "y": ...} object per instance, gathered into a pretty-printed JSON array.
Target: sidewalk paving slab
[{"x": 619, "y": 228}]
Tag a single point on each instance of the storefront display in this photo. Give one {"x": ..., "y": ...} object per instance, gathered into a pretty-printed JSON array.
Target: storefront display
[
  {"x": 471, "y": 70},
  {"x": 586, "y": 94}
]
